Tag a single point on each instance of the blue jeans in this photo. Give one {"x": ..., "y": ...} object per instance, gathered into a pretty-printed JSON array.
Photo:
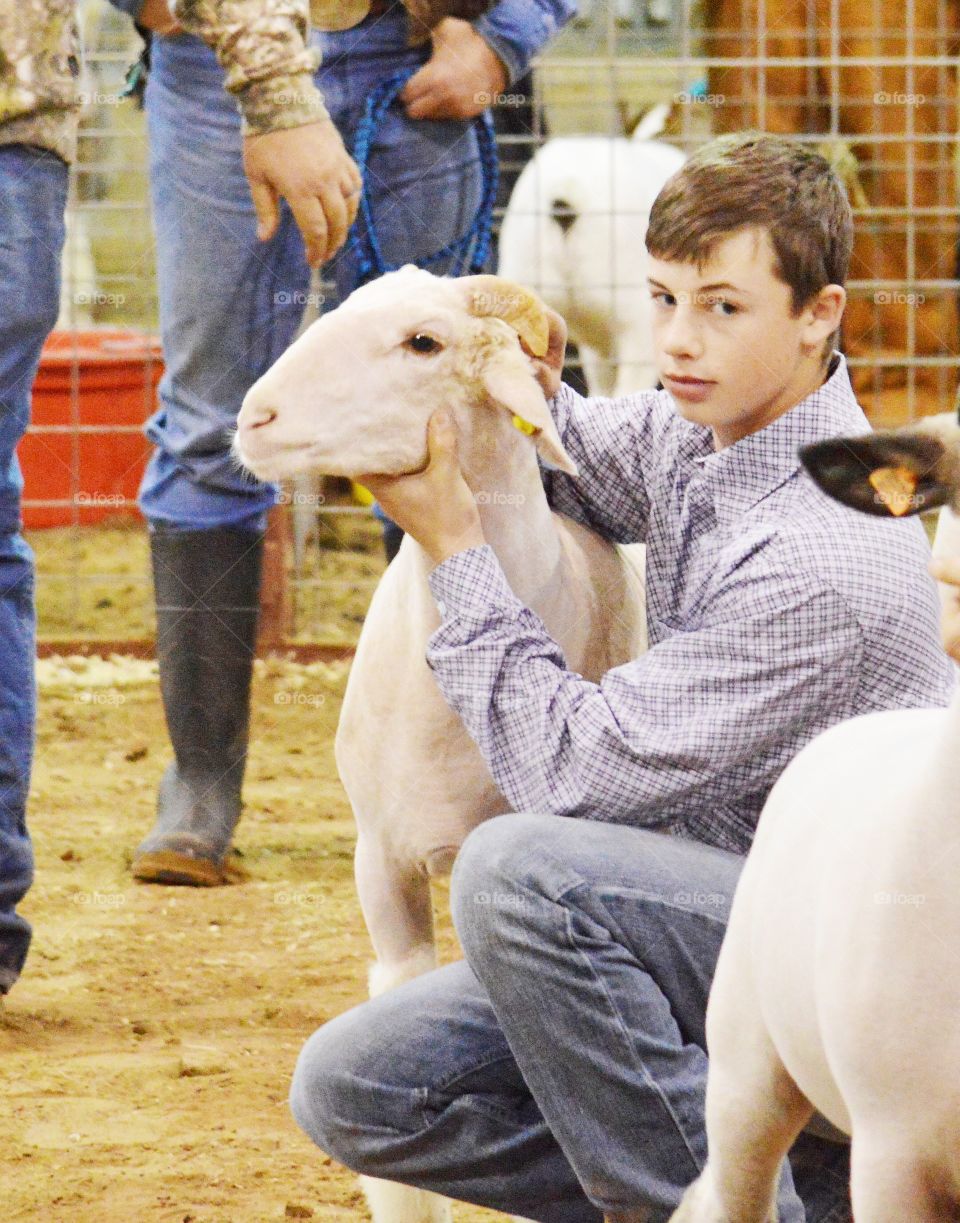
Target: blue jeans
[
  {"x": 229, "y": 304},
  {"x": 33, "y": 194},
  {"x": 559, "y": 1071}
]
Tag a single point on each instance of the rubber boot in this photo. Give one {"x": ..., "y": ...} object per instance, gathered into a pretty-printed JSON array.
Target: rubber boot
[{"x": 207, "y": 587}]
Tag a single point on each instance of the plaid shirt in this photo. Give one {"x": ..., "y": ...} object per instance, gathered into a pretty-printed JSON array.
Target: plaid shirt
[{"x": 772, "y": 611}]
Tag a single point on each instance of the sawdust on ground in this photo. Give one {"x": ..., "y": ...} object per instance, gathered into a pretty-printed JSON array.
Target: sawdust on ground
[{"x": 147, "y": 1050}]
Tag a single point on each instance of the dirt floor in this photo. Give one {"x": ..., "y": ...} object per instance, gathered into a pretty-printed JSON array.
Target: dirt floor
[{"x": 147, "y": 1050}]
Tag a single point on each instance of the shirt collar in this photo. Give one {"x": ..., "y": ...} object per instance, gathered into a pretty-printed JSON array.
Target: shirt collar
[{"x": 741, "y": 475}]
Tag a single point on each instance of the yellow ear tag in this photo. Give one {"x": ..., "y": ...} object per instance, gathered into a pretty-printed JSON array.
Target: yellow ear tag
[
  {"x": 895, "y": 488},
  {"x": 524, "y": 425}
]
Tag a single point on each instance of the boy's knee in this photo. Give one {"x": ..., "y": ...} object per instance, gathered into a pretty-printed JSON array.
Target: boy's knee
[
  {"x": 346, "y": 1094},
  {"x": 316, "y": 1098},
  {"x": 494, "y": 881}
]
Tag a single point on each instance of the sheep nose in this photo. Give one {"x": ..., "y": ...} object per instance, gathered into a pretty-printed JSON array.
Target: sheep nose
[{"x": 260, "y": 417}]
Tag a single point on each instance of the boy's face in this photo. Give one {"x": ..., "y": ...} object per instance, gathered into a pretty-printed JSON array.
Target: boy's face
[{"x": 729, "y": 348}]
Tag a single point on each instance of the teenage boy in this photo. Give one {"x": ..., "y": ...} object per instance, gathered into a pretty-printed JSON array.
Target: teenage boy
[{"x": 558, "y": 1072}]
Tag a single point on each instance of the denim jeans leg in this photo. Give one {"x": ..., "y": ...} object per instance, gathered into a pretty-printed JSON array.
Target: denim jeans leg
[
  {"x": 597, "y": 944},
  {"x": 419, "y": 1086},
  {"x": 33, "y": 192},
  {"x": 229, "y": 303}
]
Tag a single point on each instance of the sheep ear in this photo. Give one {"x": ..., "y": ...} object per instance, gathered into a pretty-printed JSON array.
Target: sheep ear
[
  {"x": 890, "y": 473},
  {"x": 512, "y": 384}
]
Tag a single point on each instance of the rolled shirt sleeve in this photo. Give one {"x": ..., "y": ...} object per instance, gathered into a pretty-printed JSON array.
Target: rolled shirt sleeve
[
  {"x": 689, "y": 737},
  {"x": 518, "y": 29},
  {"x": 262, "y": 46}
]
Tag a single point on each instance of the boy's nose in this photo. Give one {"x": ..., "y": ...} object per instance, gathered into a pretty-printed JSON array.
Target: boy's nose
[{"x": 681, "y": 336}]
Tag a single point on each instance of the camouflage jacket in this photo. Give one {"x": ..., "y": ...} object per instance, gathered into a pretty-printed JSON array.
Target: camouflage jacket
[
  {"x": 39, "y": 67},
  {"x": 262, "y": 44}
]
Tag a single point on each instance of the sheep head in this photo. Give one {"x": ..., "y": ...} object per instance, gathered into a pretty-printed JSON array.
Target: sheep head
[
  {"x": 893, "y": 472},
  {"x": 354, "y": 393}
]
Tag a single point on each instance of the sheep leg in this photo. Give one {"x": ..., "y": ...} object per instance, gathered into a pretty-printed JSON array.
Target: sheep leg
[
  {"x": 390, "y": 1203},
  {"x": 888, "y": 1184},
  {"x": 754, "y": 1110},
  {"x": 395, "y": 900}
]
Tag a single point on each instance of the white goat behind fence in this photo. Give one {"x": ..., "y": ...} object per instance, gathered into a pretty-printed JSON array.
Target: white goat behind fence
[
  {"x": 838, "y": 983},
  {"x": 352, "y": 396},
  {"x": 574, "y": 232}
]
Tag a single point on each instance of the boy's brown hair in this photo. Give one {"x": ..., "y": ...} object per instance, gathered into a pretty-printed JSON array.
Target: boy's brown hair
[{"x": 752, "y": 179}]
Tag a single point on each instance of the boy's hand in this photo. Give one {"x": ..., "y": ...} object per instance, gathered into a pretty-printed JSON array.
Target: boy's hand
[
  {"x": 435, "y": 505},
  {"x": 948, "y": 571}
]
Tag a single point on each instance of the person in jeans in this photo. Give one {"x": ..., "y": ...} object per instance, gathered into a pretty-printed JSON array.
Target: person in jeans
[
  {"x": 39, "y": 65},
  {"x": 233, "y": 268},
  {"x": 558, "y": 1071}
]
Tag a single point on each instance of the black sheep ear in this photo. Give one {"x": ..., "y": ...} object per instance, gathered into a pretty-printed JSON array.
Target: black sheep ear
[{"x": 889, "y": 474}]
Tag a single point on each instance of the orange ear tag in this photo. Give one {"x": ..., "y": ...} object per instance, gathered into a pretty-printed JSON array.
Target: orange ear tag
[
  {"x": 895, "y": 488},
  {"x": 523, "y": 425}
]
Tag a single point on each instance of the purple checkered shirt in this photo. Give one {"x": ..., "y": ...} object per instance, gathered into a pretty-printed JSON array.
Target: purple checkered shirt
[{"x": 772, "y": 611}]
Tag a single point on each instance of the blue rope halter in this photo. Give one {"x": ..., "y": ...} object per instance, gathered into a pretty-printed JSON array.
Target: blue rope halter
[{"x": 363, "y": 239}]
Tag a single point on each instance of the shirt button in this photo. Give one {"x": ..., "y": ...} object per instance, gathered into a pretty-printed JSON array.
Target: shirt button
[{"x": 441, "y": 607}]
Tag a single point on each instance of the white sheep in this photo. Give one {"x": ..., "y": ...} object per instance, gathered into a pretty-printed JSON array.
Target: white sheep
[
  {"x": 353, "y": 395},
  {"x": 838, "y": 983},
  {"x": 574, "y": 231}
]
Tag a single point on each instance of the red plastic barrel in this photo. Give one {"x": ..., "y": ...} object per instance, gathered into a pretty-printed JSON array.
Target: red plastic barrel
[{"x": 84, "y": 453}]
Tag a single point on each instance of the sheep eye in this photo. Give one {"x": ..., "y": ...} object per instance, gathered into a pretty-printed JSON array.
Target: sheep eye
[{"x": 422, "y": 343}]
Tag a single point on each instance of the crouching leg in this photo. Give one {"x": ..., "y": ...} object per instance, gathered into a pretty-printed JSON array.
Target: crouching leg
[{"x": 419, "y": 1087}]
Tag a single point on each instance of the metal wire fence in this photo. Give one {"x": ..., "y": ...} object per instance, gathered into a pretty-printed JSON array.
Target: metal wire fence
[{"x": 873, "y": 82}]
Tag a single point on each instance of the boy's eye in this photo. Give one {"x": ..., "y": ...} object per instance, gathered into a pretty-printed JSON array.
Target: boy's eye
[
  {"x": 719, "y": 306},
  {"x": 663, "y": 299}
]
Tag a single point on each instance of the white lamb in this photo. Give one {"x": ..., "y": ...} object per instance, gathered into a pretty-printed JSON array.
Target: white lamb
[
  {"x": 353, "y": 395},
  {"x": 838, "y": 984},
  {"x": 574, "y": 231}
]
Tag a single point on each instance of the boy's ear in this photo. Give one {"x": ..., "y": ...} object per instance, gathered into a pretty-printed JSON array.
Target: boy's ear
[
  {"x": 827, "y": 309},
  {"x": 887, "y": 474}
]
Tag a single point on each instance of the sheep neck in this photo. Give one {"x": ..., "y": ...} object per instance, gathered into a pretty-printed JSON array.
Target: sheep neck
[{"x": 500, "y": 466}]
